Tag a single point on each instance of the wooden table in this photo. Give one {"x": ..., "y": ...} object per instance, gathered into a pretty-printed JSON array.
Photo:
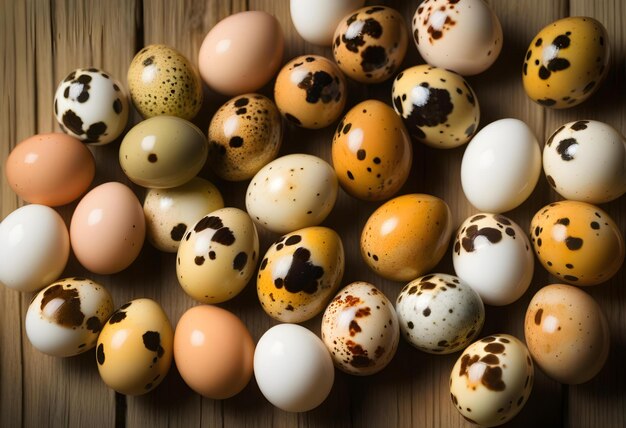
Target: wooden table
[{"x": 43, "y": 40}]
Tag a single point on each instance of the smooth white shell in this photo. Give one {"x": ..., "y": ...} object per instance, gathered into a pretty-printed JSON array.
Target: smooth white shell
[{"x": 316, "y": 20}]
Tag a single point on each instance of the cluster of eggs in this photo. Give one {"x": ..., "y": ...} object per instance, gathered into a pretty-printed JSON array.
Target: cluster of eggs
[{"x": 299, "y": 276}]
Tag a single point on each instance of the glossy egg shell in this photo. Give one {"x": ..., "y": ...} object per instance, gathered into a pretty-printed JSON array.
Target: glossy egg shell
[{"x": 316, "y": 20}]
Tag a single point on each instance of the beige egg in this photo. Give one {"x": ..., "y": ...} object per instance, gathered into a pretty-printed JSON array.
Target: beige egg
[
  {"x": 169, "y": 212},
  {"x": 244, "y": 135},
  {"x": 163, "y": 82}
]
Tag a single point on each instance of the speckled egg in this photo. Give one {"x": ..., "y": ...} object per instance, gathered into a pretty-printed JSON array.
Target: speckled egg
[
  {"x": 218, "y": 256},
  {"x": 577, "y": 242},
  {"x": 169, "y": 212},
  {"x": 407, "y": 236},
  {"x": 134, "y": 350},
  {"x": 492, "y": 380},
  {"x": 91, "y": 105},
  {"x": 567, "y": 333},
  {"x": 461, "y": 36},
  {"x": 566, "y": 62},
  {"x": 310, "y": 91},
  {"x": 371, "y": 151},
  {"x": 439, "y": 313},
  {"x": 586, "y": 161},
  {"x": 492, "y": 255},
  {"x": 244, "y": 135},
  {"x": 163, "y": 82},
  {"x": 300, "y": 273},
  {"x": 65, "y": 318},
  {"x": 360, "y": 329},
  {"x": 438, "y": 106},
  {"x": 370, "y": 43},
  {"x": 292, "y": 192}
]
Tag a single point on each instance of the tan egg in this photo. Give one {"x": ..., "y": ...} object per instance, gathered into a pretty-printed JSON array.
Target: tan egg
[
  {"x": 163, "y": 82},
  {"x": 218, "y": 256},
  {"x": 567, "y": 333},
  {"x": 310, "y": 91},
  {"x": 371, "y": 151},
  {"x": 300, "y": 273},
  {"x": 439, "y": 108},
  {"x": 134, "y": 351},
  {"x": 577, "y": 242},
  {"x": 244, "y": 135},
  {"x": 370, "y": 43},
  {"x": 407, "y": 236},
  {"x": 566, "y": 62},
  {"x": 169, "y": 212}
]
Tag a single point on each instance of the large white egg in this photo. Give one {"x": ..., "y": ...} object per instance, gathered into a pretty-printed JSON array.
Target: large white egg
[
  {"x": 501, "y": 166},
  {"x": 316, "y": 20}
]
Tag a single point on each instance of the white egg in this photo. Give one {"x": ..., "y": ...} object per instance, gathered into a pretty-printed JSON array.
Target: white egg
[
  {"x": 501, "y": 166},
  {"x": 316, "y": 20},
  {"x": 292, "y": 192},
  {"x": 34, "y": 248},
  {"x": 292, "y": 368},
  {"x": 492, "y": 255},
  {"x": 439, "y": 313},
  {"x": 586, "y": 161},
  {"x": 492, "y": 380},
  {"x": 65, "y": 318}
]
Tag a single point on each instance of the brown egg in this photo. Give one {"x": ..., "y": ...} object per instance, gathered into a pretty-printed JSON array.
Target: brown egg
[{"x": 567, "y": 333}]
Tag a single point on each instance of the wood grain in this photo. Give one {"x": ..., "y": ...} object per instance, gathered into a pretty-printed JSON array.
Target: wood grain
[{"x": 43, "y": 40}]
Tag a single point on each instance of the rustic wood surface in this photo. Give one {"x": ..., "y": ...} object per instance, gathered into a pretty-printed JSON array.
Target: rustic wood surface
[{"x": 41, "y": 41}]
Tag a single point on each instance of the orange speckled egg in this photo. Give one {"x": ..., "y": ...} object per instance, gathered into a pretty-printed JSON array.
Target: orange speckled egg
[
  {"x": 371, "y": 151},
  {"x": 577, "y": 242},
  {"x": 407, "y": 236}
]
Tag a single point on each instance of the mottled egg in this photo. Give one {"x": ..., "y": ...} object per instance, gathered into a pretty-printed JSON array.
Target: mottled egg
[
  {"x": 65, "y": 318},
  {"x": 163, "y": 82},
  {"x": 244, "y": 135},
  {"x": 163, "y": 152},
  {"x": 300, "y": 273},
  {"x": 461, "y": 36},
  {"x": 492, "y": 255},
  {"x": 566, "y": 62},
  {"x": 91, "y": 105},
  {"x": 360, "y": 329},
  {"x": 577, "y": 242},
  {"x": 169, "y": 212},
  {"x": 438, "y": 106},
  {"x": 292, "y": 192},
  {"x": 218, "y": 256},
  {"x": 586, "y": 161},
  {"x": 439, "y": 313},
  {"x": 316, "y": 20},
  {"x": 134, "y": 350},
  {"x": 407, "y": 236},
  {"x": 310, "y": 91},
  {"x": 372, "y": 151},
  {"x": 370, "y": 43},
  {"x": 492, "y": 380},
  {"x": 501, "y": 166},
  {"x": 567, "y": 333}
]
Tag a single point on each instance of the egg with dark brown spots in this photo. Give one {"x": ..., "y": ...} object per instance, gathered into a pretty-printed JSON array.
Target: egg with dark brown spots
[
  {"x": 492, "y": 380},
  {"x": 577, "y": 242},
  {"x": 369, "y": 44},
  {"x": 566, "y": 62},
  {"x": 162, "y": 81},
  {"x": 300, "y": 273},
  {"x": 360, "y": 329},
  {"x": 244, "y": 135}
]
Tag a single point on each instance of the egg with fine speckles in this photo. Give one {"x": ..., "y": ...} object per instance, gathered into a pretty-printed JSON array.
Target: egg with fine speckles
[
  {"x": 567, "y": 333},
  {"x": 162, "y": 81},
  {"x": 372, "y": 151},
  {"x": 244, "y": 135},
  {"x": 577, "y": 242},
  {"x": 300, "y": 273},
  {"x": 360, "y": 329},
  {"x": 439, "y": 313}
]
